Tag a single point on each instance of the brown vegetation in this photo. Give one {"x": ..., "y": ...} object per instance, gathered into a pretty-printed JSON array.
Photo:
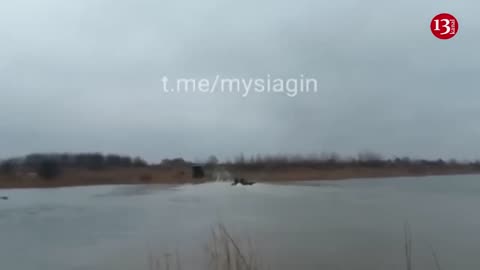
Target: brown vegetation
[
  {"x": 333, "y": 167},
  {"x": 55, "y": 170},
  {"x": 84, "y": 177}
]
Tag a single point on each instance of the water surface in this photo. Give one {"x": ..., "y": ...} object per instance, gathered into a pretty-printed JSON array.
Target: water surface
[{"x": 355, "y": 224}]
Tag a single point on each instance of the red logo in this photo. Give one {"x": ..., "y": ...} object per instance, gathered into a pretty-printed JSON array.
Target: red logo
[{"x": 444, "y": 26}]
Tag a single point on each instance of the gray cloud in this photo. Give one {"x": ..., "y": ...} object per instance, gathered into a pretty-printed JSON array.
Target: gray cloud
[{"x": 86, "y": 76}]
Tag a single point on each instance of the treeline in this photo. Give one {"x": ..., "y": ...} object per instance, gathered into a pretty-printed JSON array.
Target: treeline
[
  {"x": 51, "y": 165},
  {"x": 333, "y": 160},
  {"x": 84, "y": 160}
]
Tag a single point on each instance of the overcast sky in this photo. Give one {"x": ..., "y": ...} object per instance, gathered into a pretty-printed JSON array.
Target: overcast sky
[{"x": 79, "y": 76}]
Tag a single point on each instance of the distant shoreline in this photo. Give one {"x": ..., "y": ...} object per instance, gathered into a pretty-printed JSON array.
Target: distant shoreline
[{"x": 182, "y": 175}]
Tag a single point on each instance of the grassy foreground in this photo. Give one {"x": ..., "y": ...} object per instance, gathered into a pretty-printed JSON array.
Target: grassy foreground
[
  {"x": 226, "y": 253},
  {"x": 223, "y": 252}
]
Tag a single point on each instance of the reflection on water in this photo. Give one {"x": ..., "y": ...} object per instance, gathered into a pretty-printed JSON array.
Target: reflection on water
[{"x": 330, "y": 225}]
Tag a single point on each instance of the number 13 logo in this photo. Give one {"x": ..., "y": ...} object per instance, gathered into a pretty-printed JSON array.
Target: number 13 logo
[{"x": 444, "y": 26}]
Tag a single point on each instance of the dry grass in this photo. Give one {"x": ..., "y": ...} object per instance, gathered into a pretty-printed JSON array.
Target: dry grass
[
  {"x": 226, "y": 253},
  {"x": 182, "y": 175},
  {"x": 408, "y": 247},
  {"x": 84, "y": 177},
  {"x": 308, "y": 173},
  {"x": 164, "y": 263},
  {"x": 223, "y": 253}
]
